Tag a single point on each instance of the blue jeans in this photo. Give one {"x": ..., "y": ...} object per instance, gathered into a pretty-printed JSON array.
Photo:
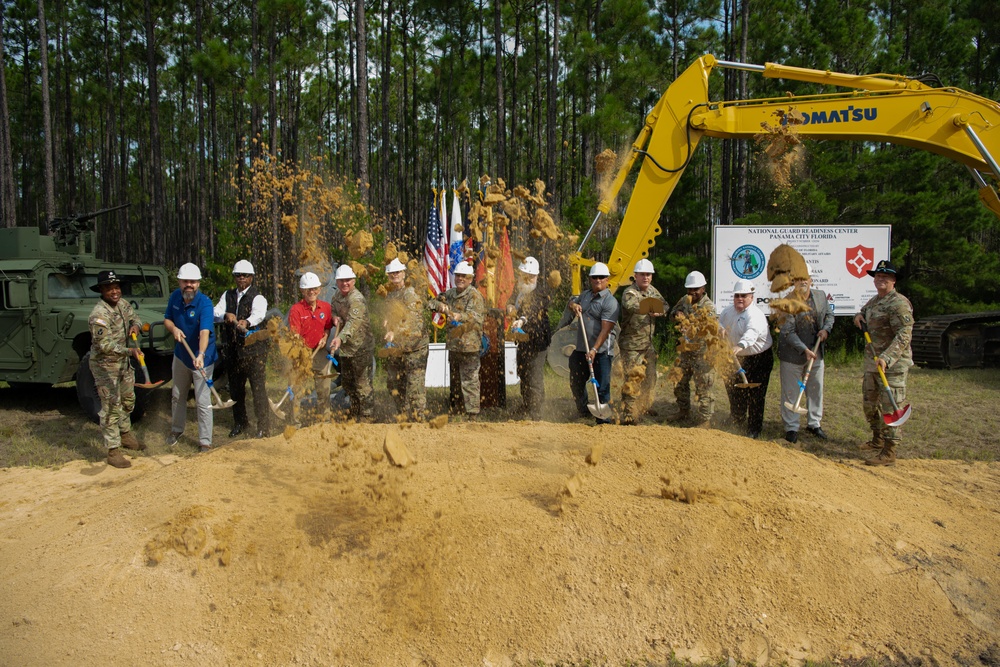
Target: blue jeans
[{"x": 579, "y": 378}]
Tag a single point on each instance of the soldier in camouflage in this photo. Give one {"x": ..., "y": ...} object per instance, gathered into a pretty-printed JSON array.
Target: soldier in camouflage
[
  {"x": 636, "y": 343},
  {"x": 355, "y": 344},
  {"x": 529, "y": 305},
  {"x": 889, "y": 318},
  {"x": 112, "y": 322},
  {"x": 465, "y": 309},
  {"x": 406, "y": 368},
  {"x": 696, "y": 308}
]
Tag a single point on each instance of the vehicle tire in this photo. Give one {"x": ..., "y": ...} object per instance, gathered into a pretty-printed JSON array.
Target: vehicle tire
[{"x": 90, "y": 402}]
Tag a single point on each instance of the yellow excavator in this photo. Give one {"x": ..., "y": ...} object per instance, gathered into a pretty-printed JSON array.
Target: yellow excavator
[{"x": 881, "y": 107}]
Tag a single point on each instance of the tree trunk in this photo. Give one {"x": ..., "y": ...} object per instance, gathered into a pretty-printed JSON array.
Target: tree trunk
[
  {"x": 199, "y": 191},
  {"x": 385, "y": 151},
  {"x": 69, "y": 154},
  {"x": 156, "y": 163},
  {"x": 362, "y": 75},
  {"x": 501, "y": 160},
  {"x": 272, "y": 112},
  {"x": 550, "y": 121},
  {"x": 8, "y": 205},
  {"x": 50, "y": 188},
  {"x": 742, "y": 153}
]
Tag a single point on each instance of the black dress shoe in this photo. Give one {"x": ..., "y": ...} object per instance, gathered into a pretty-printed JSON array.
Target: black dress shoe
[
  {"x": 792, "y": 436},
  {"x": 237, "y": 430},
  {"x": 818, "y": 432}
]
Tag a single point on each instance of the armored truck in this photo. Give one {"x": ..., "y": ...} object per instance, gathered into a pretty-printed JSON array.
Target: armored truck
[{"x": 45, "y": 304}]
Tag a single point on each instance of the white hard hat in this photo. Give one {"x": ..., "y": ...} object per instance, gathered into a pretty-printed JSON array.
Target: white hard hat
[
  {"x": 643, "y": 266},
  {"x": 189, "y": 271},
  {"x": 308, "y": 280},
  {"x": 243, "y": 266},
  {"x": 744, "y": 286},
  {"x": 694, "y": 280},
  {"x": 464, "y": 269},
  {"x": 395, "y": 266},
  {"x": 599, "y": 269},
  {"x": 344, "y": 272},
  {"x": 529, "y": 266}
]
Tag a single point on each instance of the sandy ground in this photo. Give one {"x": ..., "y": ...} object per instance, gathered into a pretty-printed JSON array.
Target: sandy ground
[{"x": 502, "y": 545}]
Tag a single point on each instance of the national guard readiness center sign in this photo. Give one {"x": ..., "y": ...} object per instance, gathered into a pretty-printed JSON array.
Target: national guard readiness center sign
[{"x": 840, "y": 258}]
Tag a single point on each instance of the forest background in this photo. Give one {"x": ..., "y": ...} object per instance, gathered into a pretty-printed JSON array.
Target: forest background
[{"x": 181, "y": 106}]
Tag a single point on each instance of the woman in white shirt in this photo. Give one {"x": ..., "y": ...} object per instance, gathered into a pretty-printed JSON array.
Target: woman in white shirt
[{"x": 746, "y": 327}]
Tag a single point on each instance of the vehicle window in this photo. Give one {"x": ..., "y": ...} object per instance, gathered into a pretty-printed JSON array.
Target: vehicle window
[{"x": 78, "y": 286}]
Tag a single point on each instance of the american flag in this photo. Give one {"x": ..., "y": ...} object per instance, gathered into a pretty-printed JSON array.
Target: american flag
[{"x": 436, "y": 253}]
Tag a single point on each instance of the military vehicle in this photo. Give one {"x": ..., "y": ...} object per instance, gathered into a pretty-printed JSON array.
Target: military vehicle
[{"x": 45, "y": 304}]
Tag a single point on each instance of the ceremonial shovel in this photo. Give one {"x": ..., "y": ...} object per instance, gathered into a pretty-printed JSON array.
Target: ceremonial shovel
[
  {"x": 219, "y": 404},
  {"x": 798, "y": 407},
  {"x": 331, "y": 361},
  {"x": 746, "y": 384},
  {"x": 145, "y": 371},
  {"x": 898, "y": 416},
  {"x": 599, "y": 410},
  {"x": 276, "y": 407}
]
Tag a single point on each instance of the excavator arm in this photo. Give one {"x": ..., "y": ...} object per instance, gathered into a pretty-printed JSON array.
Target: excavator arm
[{"x": 950, "y": 122}]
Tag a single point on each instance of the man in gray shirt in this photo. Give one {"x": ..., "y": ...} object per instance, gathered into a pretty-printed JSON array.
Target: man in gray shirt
[
  {"x": 799, "y": 334},
  {"x": 600, "y": 311}
]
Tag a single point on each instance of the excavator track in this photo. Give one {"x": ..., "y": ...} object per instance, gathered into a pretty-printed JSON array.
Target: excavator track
[{"x": 957, "y": 341}]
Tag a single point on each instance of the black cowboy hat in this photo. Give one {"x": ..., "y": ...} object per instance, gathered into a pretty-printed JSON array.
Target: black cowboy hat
[
  {"x": 105, "y": 278},
  {"x": 884, "y": 266}
]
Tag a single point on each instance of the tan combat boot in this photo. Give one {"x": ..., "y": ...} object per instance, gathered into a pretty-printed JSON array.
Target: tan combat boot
[
  {"x": 886, "y": 457},
  {"x": 874, "y": 445},
  {"x": 129, "y": 441},
  {"x": 117, "y": 459}
]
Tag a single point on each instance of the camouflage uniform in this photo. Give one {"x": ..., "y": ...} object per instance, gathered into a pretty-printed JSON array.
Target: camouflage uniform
[
  {"x": 636, "y": 346},
  {"x": 468, "y": 309},
  {"x": 533, "y": 306},
  {"x": 112, "y": 370},
  {"x": 406, "y": 374},
  {"x": 694, "y": 363},
  {"x": 356, "y": 350},
  {"x": 890, "y": 325}
]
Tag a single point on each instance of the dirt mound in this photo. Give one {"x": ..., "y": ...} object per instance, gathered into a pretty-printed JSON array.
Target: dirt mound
[{"x": 500, "y": 545}]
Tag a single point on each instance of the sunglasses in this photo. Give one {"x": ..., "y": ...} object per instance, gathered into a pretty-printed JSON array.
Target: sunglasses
[
  {"x": 742, "y": 296},
  {"x": 242, "y": 275}
]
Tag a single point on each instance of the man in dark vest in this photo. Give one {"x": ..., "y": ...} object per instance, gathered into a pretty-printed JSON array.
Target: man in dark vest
[{"x": 241, "y": 312}]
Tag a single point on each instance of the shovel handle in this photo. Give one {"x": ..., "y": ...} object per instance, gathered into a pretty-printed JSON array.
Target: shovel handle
[
  {"x": 142, "y": 360},
  {"x": 208, "y": 380},
  {"x": 881, "y": 373}
]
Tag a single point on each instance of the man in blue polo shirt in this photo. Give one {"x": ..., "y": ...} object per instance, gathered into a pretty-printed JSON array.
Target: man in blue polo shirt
[{"x": 190, "y": 316}]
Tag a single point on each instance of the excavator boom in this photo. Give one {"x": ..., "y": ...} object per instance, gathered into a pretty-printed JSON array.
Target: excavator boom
[{"x": 884, "y": 108}]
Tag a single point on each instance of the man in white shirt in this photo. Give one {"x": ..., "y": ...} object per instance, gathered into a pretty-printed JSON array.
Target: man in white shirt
[
  {"x": 241, "y": 311},
  {"x": 746, "y": 327}
]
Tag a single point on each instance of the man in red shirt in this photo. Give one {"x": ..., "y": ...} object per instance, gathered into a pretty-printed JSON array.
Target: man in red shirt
[{"x": 311, "y": 319}]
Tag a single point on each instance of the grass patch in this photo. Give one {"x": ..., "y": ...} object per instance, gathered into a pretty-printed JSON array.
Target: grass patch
[{"x": 954, "y": 416}]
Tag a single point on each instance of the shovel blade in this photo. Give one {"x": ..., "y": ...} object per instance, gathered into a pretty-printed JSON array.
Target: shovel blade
[
  {"x": 150, "y": 385},
  {"x": 225, "y": 404},
  {"x": 600, "y": 411},
  {"x": 897, "y": 417},
  {"x": 747, "y": 385},
  {"x": 278, "y": 412}
]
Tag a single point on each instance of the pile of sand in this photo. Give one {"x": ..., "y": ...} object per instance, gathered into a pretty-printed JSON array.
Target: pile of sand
[{"x": 500, "y": 545}]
